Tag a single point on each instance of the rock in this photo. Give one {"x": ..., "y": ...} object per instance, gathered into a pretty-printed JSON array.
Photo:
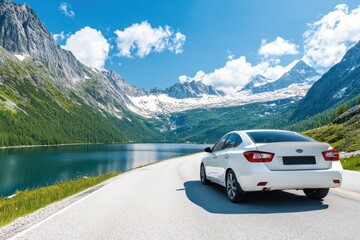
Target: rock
[{"x": 193, "y": 89}]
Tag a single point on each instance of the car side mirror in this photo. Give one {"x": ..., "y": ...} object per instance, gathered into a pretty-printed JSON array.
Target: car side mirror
[{"x": 208, "y": 149}]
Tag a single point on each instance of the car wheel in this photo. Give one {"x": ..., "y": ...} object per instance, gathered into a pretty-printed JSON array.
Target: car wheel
[
  {"x": 203, "y": 178},
  {"x": 316, "y": 193},
  {"x": 233, "y": 189}
]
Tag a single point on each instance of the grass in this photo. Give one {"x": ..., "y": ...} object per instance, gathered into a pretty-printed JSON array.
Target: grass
[
  {"x": 28, "y": 201},
  {"x": 352, "y": 163},
  {"x": 343, "y": 137}
]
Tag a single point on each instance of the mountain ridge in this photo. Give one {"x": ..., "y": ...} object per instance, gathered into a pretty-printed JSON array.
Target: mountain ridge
[
  {"x": 341, "y": 82},
  {"x": 256, "y": 81},
  {"x": 23, "y": 33},
  {"x": 193, "y": 89},
  {"x": 300, "y": 73},
  {"x": 48, "y": 97}
]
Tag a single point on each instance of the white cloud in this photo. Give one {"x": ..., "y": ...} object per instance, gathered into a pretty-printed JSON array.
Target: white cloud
[
  {"x": 183, "y": 78},
  {"x": 327, "y": 40},
  {"x": 176, "y": 43},
  {"x": 230, "y": 55},
  {"x": 59, "y": 36},
  {"x": 325, "y": 43},
  {"x": 65, "y": 8},
  {"x": 89, "y": 46},
  {"x": 278, "y": 47},
  {"x": 140, "y": 39},
  {"x": 237, "y": 72}
]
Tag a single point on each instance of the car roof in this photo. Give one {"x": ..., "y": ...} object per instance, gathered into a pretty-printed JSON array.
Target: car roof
[{"x": 260, "y": 130}]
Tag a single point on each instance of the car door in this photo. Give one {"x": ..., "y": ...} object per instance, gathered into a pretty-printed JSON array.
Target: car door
[
  {"x": 212, "y": 159},
  {"x": 221, "y": 163}
]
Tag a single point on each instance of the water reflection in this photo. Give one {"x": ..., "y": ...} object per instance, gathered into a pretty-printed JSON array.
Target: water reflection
[{"x": 24, "y": 168}]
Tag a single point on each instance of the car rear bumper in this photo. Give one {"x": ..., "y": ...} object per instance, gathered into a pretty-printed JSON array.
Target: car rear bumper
[{"x": 249, "y": 177}]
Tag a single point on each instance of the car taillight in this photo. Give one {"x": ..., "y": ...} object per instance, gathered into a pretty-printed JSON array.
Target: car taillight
[
  {"x": 331, "y": 155},
  {"x": 255, "y": 156}
]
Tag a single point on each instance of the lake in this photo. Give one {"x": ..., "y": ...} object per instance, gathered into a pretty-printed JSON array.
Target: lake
[{"x": 26, "y": 168}]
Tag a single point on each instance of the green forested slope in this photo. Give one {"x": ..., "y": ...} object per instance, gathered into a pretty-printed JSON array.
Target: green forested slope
[
  {"x": 207, "y": 125},
  {"x": 34, "y": 111},
  {"x": 343, "y": 133}
]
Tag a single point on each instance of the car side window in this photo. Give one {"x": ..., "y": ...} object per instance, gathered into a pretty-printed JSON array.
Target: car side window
[
  {"x": 220, "y": 144},
  {"x": 238, "y": 142},
  {"x": 233, "y": 141}
]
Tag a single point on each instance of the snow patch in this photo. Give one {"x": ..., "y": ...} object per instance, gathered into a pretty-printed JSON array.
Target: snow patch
[
  {"x": 259, "y": 84},
  {"x": 118, "y": 116},
  {"x": 20, "y": 57},
  {"x": 13, "y": 106},
  {"x": 75, "y": 80},
  {"x": 312, "y": 79},
  {"x": 272, "y": 105},
  {"x": 353, "y": 68},
  {"x": 95, "y": 70},
  {"x": 151, "y": 105},
  {"x": 302, "y": 71},
  {"x": 340, "y": 94}
]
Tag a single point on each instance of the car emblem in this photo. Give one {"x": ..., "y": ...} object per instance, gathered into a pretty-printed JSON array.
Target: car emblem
[{"x": 299, "y": 150}]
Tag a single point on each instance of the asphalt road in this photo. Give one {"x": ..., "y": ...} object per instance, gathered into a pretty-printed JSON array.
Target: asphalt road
[{"x": 167, "y": 201}]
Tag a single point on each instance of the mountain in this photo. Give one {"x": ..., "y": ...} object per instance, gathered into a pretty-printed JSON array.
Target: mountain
[
  {"x": 206, "y": 125},
  {"x": 195, "y": 95},
  {"x": 256, "y": 81},
  {"x": 193, "y": 89},
  {"x": 339, "y": 83},
  {"x": 121, "y": 85},
  {"x": 47, "y": 96},
  {"x": 343, "y": 133},
  {"x": 300, "y": 73},
  {"x": 22, "y": 33}
]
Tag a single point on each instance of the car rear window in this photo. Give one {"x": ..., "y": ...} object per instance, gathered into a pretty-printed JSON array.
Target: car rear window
[{"x": 280, "y": 136}]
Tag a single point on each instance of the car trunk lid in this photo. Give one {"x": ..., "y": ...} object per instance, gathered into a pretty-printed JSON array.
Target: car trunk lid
[{"x": 295, "y": 155}]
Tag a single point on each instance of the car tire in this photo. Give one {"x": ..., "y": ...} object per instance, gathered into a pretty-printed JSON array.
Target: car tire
[
  {"x": 203, "y": 178},
  {"x": 233, "y": 188},
  {"x": 316, "y": 193}
]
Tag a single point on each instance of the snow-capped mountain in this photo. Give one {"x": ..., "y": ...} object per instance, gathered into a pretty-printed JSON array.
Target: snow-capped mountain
[
  {"x": 193, "y": 95},
  {"x": 341, "y": 82},
  {"x": 256, "y": 81},
  {"x": 193, "y": 89},
  {"x": 24, "y": 35},
  {"x": 153, "y": 104},
  {"x": 301, "y": 73},
  {"x": 109, "y": 92},
  {"x": 47, "y": 96}
]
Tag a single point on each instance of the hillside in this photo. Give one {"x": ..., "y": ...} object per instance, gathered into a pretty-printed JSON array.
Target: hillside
[
  {"x": 33, "y": 111},
  {"x": 207, "y": 125},
  {"x": 341, "y": 82},
  {"x": 48, "y": 97},
  {"x": 343, "y": 133}
]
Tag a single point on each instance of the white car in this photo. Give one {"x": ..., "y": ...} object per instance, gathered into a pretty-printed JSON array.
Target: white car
[{"x": 264, "y": 160}]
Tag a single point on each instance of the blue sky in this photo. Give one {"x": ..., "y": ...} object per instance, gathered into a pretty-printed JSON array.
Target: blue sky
[{"x": 217, "y": 42}]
